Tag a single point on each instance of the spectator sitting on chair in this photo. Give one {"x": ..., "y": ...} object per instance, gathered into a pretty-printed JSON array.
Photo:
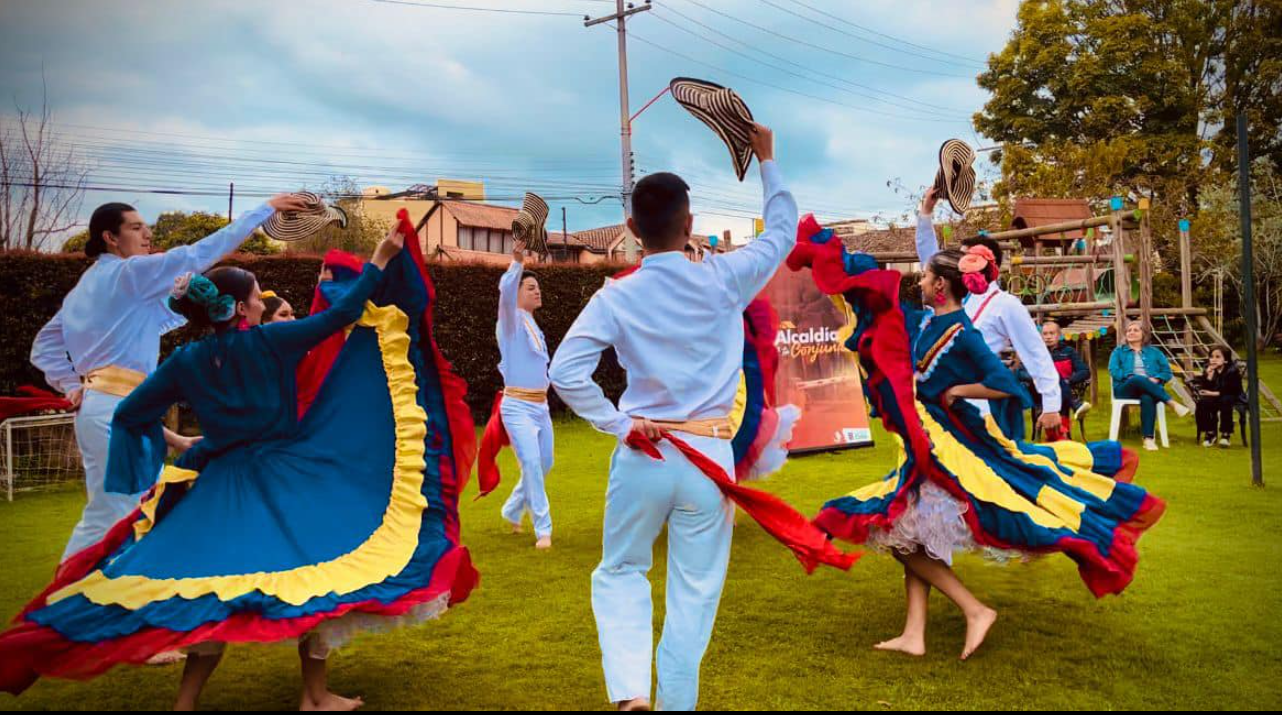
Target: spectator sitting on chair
[
  {"x": 1139, "y": 372},
  {"x": 1072, "y": 370},
  {"x": 1218, "y": 390}
]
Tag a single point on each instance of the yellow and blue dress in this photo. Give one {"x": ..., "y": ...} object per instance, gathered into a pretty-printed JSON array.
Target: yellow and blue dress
[
  {"x": 960, "y": 482},
  {"x": 274, "y": 525}
]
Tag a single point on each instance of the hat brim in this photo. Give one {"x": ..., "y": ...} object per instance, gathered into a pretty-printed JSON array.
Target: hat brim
[
  {"x": 694, "y": 96},
  {"x": 534, "y": 236},
  {"x": 298, "y": 227},
  {"x": 956, "y": 186}
]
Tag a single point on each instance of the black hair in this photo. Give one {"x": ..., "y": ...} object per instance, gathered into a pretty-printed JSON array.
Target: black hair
[
  {"x": 660, "y": 205},
  {"x": 944, "y": 265},
  {"x": 527, "y": 275},
  {"x": 988, "y": 243},
  {"x": 235, "y": 282},
  {"x": 108, "y": 217},
  {"x": 271, "y": 305}
]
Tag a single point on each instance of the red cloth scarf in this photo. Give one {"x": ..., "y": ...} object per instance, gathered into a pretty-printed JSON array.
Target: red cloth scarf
[
  {"x": 493, "y": 440},
  {"x": 806, "y": 541}
]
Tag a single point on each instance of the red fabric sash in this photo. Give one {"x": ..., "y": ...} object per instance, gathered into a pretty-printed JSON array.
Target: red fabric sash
[
  {"x": 493, "y": 440},
  {"x": 806, "y": 541}
]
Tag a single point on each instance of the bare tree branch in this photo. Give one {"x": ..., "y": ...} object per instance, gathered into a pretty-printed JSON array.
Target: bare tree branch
[{"x": 42, "y": 181}]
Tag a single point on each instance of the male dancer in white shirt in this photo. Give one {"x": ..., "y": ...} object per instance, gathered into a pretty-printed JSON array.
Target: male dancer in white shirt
[
  {"x": 524, "y": 409},
  {"x": 105, "y": 339},
  {"x": 677, "y": 328}
]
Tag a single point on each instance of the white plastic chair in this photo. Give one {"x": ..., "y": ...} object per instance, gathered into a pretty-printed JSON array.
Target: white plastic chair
[{"x": 1120, "y": 404}]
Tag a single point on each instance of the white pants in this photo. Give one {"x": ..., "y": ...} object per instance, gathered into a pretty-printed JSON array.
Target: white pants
[
  {"x": 643, "y": 495},
  {"x": 529, "y": 427},
  {"x": 93, "y": 433}
]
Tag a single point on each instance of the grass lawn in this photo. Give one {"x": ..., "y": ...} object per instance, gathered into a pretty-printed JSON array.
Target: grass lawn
[{"x": 1200, "y": 628}]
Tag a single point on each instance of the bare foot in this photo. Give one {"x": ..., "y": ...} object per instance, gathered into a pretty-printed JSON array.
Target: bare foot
[
  {"x": 976, "y": 629},
  {"x": 168, "y": 657},
  {"x": 634, "y": 705},
  {"x": 517, "y": 529},
  {"x": 544, "y": 542},
  {"x": 912, "y": 645},
  {"x": 330, "y": 703}
]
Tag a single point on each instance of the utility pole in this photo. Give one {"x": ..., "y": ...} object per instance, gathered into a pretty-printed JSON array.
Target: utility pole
[{"x": 625, "y": 120}]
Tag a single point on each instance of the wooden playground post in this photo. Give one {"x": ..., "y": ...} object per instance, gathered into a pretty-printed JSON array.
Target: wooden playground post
[
  {"x": 1090, "y": 295},
  {"x": 1121, "y": 286},
  {"x": 1186, "y": 291},
  {"x": 1146, "y": 267}
]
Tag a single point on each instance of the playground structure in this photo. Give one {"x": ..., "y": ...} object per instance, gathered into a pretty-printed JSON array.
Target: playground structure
[{"x": 1080, "y": 273}]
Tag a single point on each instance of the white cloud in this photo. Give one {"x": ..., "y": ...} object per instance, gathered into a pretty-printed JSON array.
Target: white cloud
[{"x": 494, "y": 95}]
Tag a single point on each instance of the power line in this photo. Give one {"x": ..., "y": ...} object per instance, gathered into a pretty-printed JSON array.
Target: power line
[
  {"x": 127, "y": 154},
  {"x": 821, "y": 48},
  {"x": 870, "y": 30},
  {"x": 705, "y": 38},
  {"x": 438, "y": 6},
  {"x": 222, "y": 191},
  {"x": 781, "y": 88},
  {"x": 140, "y": 157},
  {"x": 315, "y": 148},
  {"x": 745, "y": 43}
]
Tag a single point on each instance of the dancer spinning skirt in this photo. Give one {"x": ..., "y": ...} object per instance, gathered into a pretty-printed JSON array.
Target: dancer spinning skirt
[
  {"x": 960, "y": 483},
  {"x": 273, "y": 527}
]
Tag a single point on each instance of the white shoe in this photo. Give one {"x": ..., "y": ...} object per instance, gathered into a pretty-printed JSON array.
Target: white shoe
[
  {"x": 1180, "y": 409},
  {"x": 1150, "y": 444},
  {"x": 1207, "y": 443},
  {"x": 1081, "y": 410},
  {"x": 1225, "y": 443}
]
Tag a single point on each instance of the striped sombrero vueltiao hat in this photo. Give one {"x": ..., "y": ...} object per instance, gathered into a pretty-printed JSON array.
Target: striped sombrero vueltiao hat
[
  {"x": 528, "y": 226},
  {"x": 297, "y": 225},
  {"x": 955, "y": 179},
  {"x": 723, "y": 111}
]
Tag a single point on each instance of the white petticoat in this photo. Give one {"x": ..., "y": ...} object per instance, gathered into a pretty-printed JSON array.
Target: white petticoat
[
  {"x": 934, "y": 520},
  {"x": 331, "y": 635}
]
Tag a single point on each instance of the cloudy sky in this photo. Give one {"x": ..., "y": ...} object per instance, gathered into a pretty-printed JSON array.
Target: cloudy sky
[{"x": 274, "y": 96}]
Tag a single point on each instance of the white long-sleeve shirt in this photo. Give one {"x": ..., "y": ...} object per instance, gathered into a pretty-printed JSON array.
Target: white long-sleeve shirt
[
  {"x": 522, "y": 346},
  {"x": 676, "y": 326},
  {"x": 1004, "y": 322},
  {"x": 117, "y": 312}
]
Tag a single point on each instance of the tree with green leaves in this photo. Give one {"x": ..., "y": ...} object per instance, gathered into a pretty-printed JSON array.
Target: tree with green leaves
[
  {"x": 1219, "y": 240},
  {"x": 179, "y": 228},
  {"x": 1093, "y": 98}
]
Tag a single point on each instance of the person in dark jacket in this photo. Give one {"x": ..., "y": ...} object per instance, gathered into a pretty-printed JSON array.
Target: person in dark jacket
[
  {"x": 1072, "y": 370},
  {"x": 1219, "y": 389}
]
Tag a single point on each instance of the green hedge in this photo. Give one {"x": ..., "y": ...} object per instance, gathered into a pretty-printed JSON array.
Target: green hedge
[{"x": 32, "y": 286}]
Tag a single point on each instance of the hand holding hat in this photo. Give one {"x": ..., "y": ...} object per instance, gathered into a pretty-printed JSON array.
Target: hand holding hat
[
  {"x": 763, "y": 142},
  {"x": 288, "y": 202},
  {"x": 300, "y": 216},
  {"x": 528, "y": 228}
]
